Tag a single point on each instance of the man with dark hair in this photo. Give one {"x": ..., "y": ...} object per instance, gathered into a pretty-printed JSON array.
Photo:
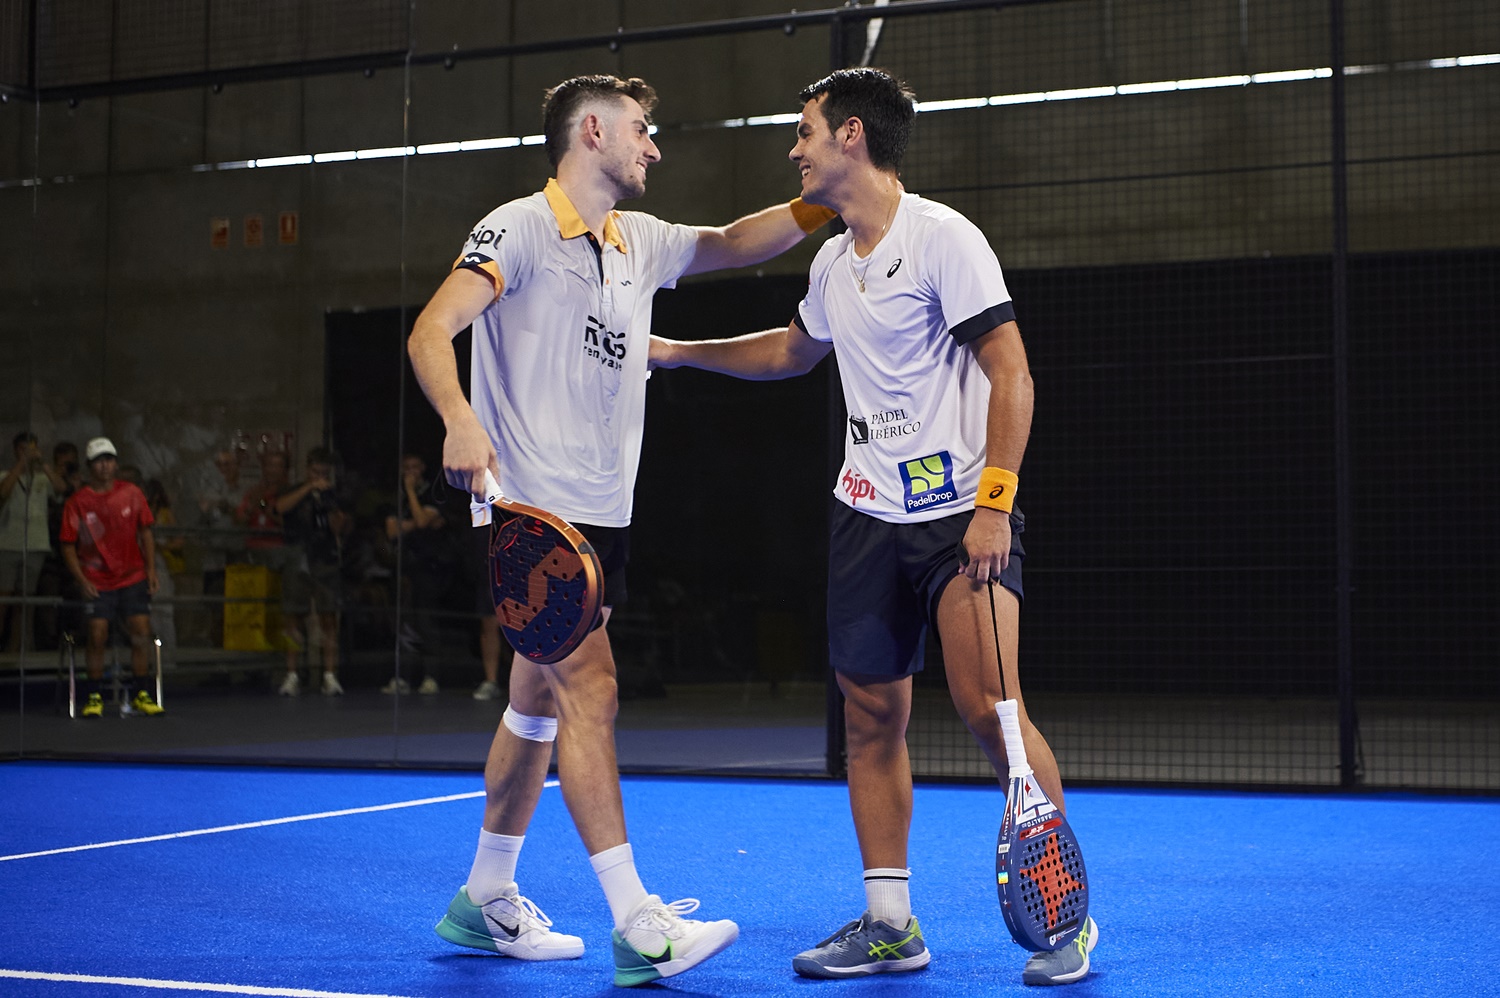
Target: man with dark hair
[
  {"x": 558, "y": 287},
  {"x": 315, "y": 525},
  {"x": 939, "y": 398},
  {"x": 25, "y": 544},
  {"x": 110, "y": 549}
]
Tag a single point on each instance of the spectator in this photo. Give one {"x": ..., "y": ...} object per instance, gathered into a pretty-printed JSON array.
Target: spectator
[
  {"x": 57, "y": 581},
  {"x": 218, "y": 500},
  {"x": 65, "y": 460},
  {"x": 315, "y": 525},
  {"x": 109, "y": 548},
  {"x": 257, "y": 510},
  {"x": 169, "y": 562},
  {"x": 476, "y": 575},
  {"x": 25, "y": 543},
  {"x": 426, "y": 570}
]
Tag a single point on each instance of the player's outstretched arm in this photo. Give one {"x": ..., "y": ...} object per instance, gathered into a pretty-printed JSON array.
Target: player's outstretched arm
[
  {"x": 756, "y": 237},
  {"x": 467, "y": 450},
  {"x": 764, "y": 356}
]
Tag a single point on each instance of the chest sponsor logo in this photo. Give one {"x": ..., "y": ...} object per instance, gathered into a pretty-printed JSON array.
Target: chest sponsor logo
[
  {"x": 887, "y": 424},
  {"x": 894, "y": 267},
  {"x": 608, "y": 348},
  {"x": 856, "y": 487},
  {"x": 928, "y": 481}
]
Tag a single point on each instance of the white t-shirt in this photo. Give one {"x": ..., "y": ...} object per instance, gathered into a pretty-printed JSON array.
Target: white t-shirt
[
  {"x": 559, "y": 360},
  {"x": 23, "y": 515},
  {"x": 917, "y": 399}
]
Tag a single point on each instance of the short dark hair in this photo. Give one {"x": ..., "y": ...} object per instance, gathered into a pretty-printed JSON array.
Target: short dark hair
[
  {"x": 24, "y": 437},
  {"x": 322, "y": 455},
  {"x": 562, "y": 102},
  {"x": 886, "y": 106}
]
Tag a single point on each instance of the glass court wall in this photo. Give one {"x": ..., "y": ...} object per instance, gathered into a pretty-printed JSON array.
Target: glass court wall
[{"x": 1257, "y": 294}]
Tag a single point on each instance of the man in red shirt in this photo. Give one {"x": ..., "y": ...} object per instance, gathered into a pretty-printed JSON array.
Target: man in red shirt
[{"x": 108, "y": 546}]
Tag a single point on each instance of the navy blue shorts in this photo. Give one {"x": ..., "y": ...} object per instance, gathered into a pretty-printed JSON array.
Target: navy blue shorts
[
  {"x": 884, "y": 583},
  {"x": 120, "y": 604}
]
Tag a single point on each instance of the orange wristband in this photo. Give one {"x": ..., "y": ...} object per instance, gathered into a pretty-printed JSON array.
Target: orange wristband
[
  {"x": 997, "y": 489},
  {"x": 810, "y": 217}
]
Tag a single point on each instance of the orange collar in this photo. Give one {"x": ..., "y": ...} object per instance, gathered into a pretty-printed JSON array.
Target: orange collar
[{"x": 570, "y": 224}]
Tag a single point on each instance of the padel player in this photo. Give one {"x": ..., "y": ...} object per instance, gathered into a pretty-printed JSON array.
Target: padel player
[
  {"x": 558, "y": 287},
  {"x": 939, "y": 398}
]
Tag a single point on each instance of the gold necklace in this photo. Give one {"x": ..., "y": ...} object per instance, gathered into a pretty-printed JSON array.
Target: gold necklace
[{"x": 859, "y": 276}]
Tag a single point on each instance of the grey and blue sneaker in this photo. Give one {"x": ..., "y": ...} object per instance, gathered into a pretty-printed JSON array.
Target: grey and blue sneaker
[
  {"x": 1066, "y": 965},
  {"x": 510, "y": 925},
  {"x": 865, "y": 946}
]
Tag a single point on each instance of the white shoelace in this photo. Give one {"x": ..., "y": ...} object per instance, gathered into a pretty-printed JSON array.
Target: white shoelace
[
  {"x": 528, "y": 910},
  {"x": 666, "y": 916}
]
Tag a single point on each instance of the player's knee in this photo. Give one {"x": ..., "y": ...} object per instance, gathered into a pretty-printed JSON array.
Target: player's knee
[{"x": 534, "y": 729}]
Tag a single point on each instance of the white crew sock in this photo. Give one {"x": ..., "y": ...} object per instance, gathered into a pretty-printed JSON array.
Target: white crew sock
[
  {"x": 494, "y": 869},
  {"x": 888, "y": 895},
  {"x": 622, "y": 885}
]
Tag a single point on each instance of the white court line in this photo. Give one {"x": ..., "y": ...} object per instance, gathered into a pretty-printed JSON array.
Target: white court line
[
  {"x": 145, "y": 982},
  {"x": 255, "y": 824}
]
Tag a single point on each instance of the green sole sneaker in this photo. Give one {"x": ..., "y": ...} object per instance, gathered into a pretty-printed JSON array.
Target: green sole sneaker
[{"x": 510, "y": 925}]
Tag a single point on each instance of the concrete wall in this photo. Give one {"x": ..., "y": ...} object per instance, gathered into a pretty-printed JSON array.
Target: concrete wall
[{"x": 117, "y": 315}]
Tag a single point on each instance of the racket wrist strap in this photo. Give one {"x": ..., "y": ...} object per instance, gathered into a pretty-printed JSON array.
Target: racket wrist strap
[
  {"x": 810, "y": 217},
  {"x": 997, "y": 489}
]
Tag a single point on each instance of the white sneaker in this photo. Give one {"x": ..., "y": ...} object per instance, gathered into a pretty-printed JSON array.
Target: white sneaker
[
  {"x": 659, "y": 942},
  {"x": 510, "y": 925},
  {"x": 429, "y": 687},
  {"x": 488, "y": 690},
  {"x": 290, "y": 686},
  {"x": 331, "y": 685},
  {"x": 397, "y": 686}
]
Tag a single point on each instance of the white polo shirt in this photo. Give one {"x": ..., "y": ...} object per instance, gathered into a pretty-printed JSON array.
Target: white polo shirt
[
  {"x": 559, "y": 359},
  {"x": 917, "y": 399}
]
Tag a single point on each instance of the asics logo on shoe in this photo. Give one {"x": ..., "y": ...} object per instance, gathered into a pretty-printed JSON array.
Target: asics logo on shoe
[
  {"x": 513, "y": 933},
  {"x": 883, "y": 950}
]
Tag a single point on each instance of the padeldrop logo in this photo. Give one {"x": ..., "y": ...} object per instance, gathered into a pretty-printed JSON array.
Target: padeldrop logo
[{"x": 928, "y": 481}]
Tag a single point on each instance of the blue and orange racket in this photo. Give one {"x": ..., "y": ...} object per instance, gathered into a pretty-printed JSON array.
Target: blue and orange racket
[
  {"x": 545, "y": 578},
  {"x": 1044, "y": 888}
]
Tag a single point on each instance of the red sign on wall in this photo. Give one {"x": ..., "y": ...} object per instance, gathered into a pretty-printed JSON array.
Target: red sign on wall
[
  {"x": 286, "y": 228},
  {"x": 255, "y": 232},
  {"x": 218, "y": 233}
]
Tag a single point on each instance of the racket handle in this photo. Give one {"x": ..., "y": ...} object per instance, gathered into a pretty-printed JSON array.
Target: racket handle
[
  {"x": 492, "y": 493},
  {"x": 1015, "y": 745}
]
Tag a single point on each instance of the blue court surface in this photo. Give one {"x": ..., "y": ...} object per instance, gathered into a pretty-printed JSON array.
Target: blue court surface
[{"x": 125, "y": 881}]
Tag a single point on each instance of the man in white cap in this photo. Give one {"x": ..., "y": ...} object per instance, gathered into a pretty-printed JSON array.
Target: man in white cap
[{"x": 109, "y": 548}]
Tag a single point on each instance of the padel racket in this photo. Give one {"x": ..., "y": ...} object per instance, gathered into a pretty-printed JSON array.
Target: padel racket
[
  {"x": 1044, "y": 889},
  {"x": 545, "y": 578}
]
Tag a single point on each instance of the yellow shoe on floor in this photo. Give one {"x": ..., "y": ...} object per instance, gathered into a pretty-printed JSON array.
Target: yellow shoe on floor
[
  {"x": 93, "y": 706},
  {"x": 145, "y": 703}
]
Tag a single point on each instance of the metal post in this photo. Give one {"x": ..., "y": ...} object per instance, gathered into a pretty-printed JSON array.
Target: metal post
[
  {"x": 68, "y": 650},
  {"x": 1343, "y": 504}
]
